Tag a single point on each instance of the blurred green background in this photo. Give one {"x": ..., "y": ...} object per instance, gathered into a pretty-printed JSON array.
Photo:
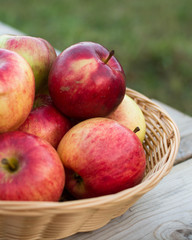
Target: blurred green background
[{"x": 152, "y": 39}]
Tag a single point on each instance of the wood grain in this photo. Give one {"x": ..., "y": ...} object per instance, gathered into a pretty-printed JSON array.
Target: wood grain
[{"x": 163, "y": 213}]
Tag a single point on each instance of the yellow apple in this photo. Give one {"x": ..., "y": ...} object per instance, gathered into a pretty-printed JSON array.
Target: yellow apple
[
  {"x": 129, "y": 114},
  {"x": 17, "y": 90}
]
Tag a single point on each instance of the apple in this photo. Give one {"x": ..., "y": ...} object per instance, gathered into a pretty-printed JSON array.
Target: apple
[
  {"x": 38, "y": 52},
  {"x": 17, "y": 90},
  {"x": 101, "y": 157},
  {"x": 86, "y": 81},
  {"x": 129, "y": 114},
  {"x": 45, "y": 121},
  {"x": 30, "y": 168}
]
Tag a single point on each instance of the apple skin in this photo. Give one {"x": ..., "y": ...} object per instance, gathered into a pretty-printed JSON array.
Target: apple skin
[
  {"x": 38, "y": 52},
  {"x": 40, "y": 173},
  {"x": 101, "y": 157},
  {"x": 129, "y": 114},
  {"x": 17, "y": 90},
  {"x": 45, "y": 121},
  {"x": 82, "y": 85}
]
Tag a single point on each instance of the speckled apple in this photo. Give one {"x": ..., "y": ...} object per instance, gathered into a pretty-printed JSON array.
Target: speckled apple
[
  {"x": 30, "y": 169},
  {"x": 101, "y": 157},
  {"x": 17, "y": 90},
  {"x": 86, "y": 81},
  {"x": 38, "y": 52},
  {"x": 45, "y": 121}
]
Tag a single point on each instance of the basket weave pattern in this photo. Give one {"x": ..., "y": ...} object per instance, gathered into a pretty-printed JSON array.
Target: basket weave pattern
[{"x": 49, "y": 220}]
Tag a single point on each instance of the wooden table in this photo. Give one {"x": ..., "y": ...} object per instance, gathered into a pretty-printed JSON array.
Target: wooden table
[{"x": 166, "y": 211}]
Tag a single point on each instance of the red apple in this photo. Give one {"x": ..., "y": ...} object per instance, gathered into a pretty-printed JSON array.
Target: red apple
[
  {"x": 17, "y": 90},
  {"x": 45, "y": 121},
  {"x": 86, "y": 81},
  {"x": 30, "y": 168},
  {"x": 38, "y": 52},
  {"x": 101, "y": 157}
]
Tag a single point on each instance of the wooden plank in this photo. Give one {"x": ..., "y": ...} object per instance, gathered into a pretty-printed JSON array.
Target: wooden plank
[
  {"x": 185, "y": 149},
  {"x": 163, "y": 213}
]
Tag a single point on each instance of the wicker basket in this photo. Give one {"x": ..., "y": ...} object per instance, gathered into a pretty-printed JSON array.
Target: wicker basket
[{"x": 49, "y": 220}]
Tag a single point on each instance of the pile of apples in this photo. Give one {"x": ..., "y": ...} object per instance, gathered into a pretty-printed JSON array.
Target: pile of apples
[{"x": 66, "y": 123}]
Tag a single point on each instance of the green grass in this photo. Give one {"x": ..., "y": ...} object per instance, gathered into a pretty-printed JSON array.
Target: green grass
[{"x": 151, "y": 38}]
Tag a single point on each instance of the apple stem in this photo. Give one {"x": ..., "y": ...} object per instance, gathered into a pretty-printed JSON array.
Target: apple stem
[
  {"x": 109, "y": 56},
  {"x": 10, "y": 165},
  {"x": 137, "y": 129},
  {"x": 78, "y": 178}
]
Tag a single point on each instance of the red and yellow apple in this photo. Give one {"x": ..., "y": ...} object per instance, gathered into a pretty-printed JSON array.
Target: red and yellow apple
[
  {"x": 45, "y": 121},
  {"x": 38, "y": 52},
  {"x": 17, "y": 90},
  {"x": 129, "y": 114},
  {"x": 86, "y": 81},
  {"x": 30, "y": 168},
  {"x": 101, "y": 157}
]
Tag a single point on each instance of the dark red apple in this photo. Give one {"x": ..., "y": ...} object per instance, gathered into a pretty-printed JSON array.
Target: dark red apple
[
  {"x": 45, "y": 121},
  {"x": 30, "y": 168},
  {"x": 101, "y": 157},
  {"x": 86, "y": 81}
]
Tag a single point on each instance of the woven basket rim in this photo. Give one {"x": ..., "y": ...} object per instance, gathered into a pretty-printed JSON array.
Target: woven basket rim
[{"x": 139, "y": 189}]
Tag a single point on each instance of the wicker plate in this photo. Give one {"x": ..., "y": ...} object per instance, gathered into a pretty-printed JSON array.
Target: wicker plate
[{"x": 49, "y": 220}]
